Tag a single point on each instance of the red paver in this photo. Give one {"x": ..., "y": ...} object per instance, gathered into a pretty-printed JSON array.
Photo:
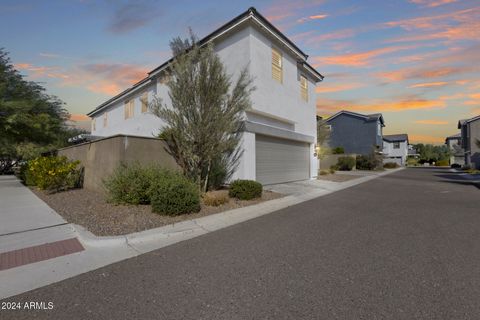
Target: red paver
[{"x": 20, "y": 257}]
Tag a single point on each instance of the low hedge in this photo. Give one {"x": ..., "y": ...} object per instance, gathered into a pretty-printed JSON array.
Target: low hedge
[
  {"x": 442, "y": 163},
  {"x": 391, "y": 165},
  {"x": 346, "y": 163},
  {"x": 174, "y": 195},
  {"x": 129, "y": 183},
  {"x": 168, "y": 192},
  {"x": 369, "y": 162},
  {"x": 245, "y": 189},
  {"x": 52, "y": 173}
]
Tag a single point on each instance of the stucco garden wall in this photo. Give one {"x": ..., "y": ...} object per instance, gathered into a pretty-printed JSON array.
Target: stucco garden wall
[{"x": 101, "y": 157}]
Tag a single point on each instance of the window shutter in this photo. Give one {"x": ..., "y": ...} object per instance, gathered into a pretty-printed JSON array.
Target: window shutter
[
  {"x": 127, "y": 103},
  {"x": 132, "y": 105},
  {"x": 277, "y": 65},
  {"x": 93, "y": 125},
  {"x": 105, "y": 115},
  {"x": 144, "y": 102},
  {"x": 304, "y": 88}
]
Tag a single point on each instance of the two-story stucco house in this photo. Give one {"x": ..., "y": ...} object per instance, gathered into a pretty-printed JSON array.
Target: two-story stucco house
[
  {"x": 355, "y": 132},
  {"x": 454, "y": 144},
  {"x": 470, "y": 133},
  {"x": 280, "y": 129},
  {"x": 395, "y": 148}
]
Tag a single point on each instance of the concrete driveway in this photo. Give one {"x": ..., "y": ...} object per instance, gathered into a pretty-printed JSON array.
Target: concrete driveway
[{"x": 403, "y": 246}]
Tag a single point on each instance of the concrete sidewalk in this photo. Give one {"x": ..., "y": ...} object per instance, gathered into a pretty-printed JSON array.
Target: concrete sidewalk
[
  {"x": 21, "y": 210},
  {"x": 102, "y": 251}
]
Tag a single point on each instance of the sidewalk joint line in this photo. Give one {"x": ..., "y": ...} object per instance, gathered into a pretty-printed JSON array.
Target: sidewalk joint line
[{"x": 34, "y": 229}]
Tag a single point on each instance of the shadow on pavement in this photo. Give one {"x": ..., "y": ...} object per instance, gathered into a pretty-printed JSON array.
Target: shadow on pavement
[{"x": 457, "y": 178}]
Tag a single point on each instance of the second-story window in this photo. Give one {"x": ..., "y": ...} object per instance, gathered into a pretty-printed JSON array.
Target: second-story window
[
  {"x": 304, "y": 88},
  {"x": 105, "y": 119},
  {"x": 396, "y": 145},
  {"x": 277, "y": 65},
  {"x": 129, "y": 109},
  {"x": 144, "y": 100}
]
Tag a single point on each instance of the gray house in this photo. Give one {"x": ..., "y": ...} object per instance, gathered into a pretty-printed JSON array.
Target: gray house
[
  {"x": 470, "y": 133},
  {"x": 454, "y": 144},
  {"x": 356, "y": 133}
]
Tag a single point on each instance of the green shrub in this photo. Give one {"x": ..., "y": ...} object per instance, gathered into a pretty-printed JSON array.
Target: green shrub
[
  {"x": 338, "y": 150},
  {"x": 218, "y": 174},
  {"x": 412, "y": 162},
  {"x": 130, "y": 183},
  {"x": 215, "y": 198},
  {"x": 25, "y": 175},
  {"x": 369, "y": 162},
  {"x": 53, "y": 173},
  {"x": 332, "y": 170},
  {"x": 323, "y": 172},
  {"x": 174, "y": 194},
  {"x": 346, "y": 163},
  {"x": 442, "y": 163},
  {"x": 391, "y": 165},
  {"x": 245, "y": 189}
]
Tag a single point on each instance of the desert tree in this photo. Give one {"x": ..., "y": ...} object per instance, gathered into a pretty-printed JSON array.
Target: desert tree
[
  {"x": 31, "y": 121},
  {"x": 204, "y": 121}
]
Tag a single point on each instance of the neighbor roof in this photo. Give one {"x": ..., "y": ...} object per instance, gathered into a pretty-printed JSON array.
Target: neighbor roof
[
  {"x": 250, "y": 14},
  {"x": 466, "y": 121},
  {"x": 455, "y": 136},
  {"x": 396, "y": 137},
  {"x": 368, "y": 117}
]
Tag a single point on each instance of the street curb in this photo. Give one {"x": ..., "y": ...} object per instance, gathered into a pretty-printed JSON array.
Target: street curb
[{"x": 152, "y": 239}]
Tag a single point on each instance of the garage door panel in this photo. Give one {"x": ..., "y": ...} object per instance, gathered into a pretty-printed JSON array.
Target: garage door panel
[{"x": 280, "y": 160}]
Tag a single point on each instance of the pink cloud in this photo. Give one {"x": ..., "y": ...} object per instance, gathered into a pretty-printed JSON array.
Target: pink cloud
[
  {"x": 314, "y": 17},
  {"x": 417, "y": 138},
  {"x": 432, "y": 3},
  {"x": 327, "y": 88},
  {"x": 452, "y": 26},
  {"x": 393, "y": 105},
  {"x": 40, "y": 71},
  {"x": 108, "y": 79},
  {"x": 361, "y": 59}
]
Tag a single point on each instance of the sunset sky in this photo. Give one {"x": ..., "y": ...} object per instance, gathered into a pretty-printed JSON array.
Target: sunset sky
[{"x": 416, "y": 61}]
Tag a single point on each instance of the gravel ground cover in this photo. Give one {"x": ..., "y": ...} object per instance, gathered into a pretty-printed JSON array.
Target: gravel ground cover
[{"x": 90, "y": 210}]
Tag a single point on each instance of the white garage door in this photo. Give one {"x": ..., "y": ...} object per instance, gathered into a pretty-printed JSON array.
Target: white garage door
[{"x": 280, "y": 160}]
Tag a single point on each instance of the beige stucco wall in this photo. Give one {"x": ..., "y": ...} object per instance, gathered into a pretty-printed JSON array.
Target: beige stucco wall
[{"x": 101, "y": 157}]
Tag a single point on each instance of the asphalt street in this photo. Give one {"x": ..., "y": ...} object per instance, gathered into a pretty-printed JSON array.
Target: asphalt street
[{"x": 403, "y": 246}]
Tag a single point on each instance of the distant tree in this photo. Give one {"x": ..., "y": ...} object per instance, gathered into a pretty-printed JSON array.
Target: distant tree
[
  {"x": 432, "y": 153},
  {"x": 30, "y": 120},
  {"x": 203, "y": 125},
  {"x": 477, "y": 143}
]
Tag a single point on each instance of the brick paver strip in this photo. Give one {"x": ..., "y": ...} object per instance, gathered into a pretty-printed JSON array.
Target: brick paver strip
[{"x": 20, "y": 257}]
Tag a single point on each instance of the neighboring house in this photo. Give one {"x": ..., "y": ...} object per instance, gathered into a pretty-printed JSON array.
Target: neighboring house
[
  {"x": 470, "y": 135},
  {"x": 280, "y": 129},
  {"x": 454, "y": 144},
  {"x": 356, "y": 133},
  {"x": 395, "y": 148},
  {"x": 412, "y": 152}
]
